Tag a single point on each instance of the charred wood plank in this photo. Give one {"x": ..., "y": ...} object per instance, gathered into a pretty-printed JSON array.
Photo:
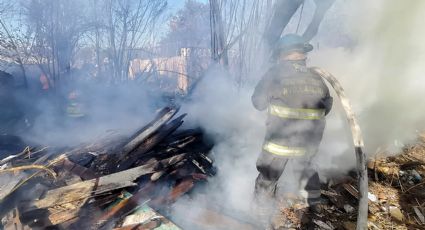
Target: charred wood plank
[
  {"x": 177, "y": 191},
  {"x": 188, "y": 144},
  {"x": 145, "y": 214},
  {"x": 167, "y": 166},
  {"x": 162, "y": 164},
  {"x": 158, "y": 154},
  {"x": 107, "y": 163},
  {"x": 169, "y": 172},
  {"x": 182, "y": 135},
  {"x": 183, "y": 142},
  {"x": 96, "y": 186},
  {"x": 152, "y": 224},
  {"x": 163, "y": 117},
  {"x": 76, "y": 169},
  {"x": 128, "y": 160},
  {"x": 65, "y": 203},
  {"x": 141, "y": 196},
  {"x": 84, "y": 159},
  {"x": 84, "y": 153},
  {"x": 125, "y": 206}
]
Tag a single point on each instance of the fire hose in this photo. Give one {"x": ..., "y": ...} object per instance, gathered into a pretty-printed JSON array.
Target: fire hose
[{"x": 358, "y": 146}]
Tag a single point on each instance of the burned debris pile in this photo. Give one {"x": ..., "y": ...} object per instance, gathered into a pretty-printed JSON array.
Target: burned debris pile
[
  {"x": 114, "y": 183},
  {"x": 396, "y": 196}
]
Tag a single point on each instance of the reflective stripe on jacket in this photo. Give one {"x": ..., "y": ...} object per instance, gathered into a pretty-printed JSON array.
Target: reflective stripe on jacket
[{"x": 291, "y": 113}]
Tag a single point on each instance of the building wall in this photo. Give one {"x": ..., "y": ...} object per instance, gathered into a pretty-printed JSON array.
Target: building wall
[{"x": 178, "y": 67}]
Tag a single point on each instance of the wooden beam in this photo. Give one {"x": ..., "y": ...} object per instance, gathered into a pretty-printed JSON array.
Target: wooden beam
[
  {"x": 163, "y": 117},
  {"x": 85, "y": 189}
]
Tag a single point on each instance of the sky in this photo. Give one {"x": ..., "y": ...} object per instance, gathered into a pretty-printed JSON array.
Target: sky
[{"x": 175, "y": 5}]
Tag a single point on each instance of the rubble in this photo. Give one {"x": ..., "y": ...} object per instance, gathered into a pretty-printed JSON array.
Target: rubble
[
  {"x": 421, "y": 217},
  {"x": 396, "y": 195},
  {"x": 396, "y": 214},
  {"x": 130, "y": 182},
  {"x": 113, "y": 183}
]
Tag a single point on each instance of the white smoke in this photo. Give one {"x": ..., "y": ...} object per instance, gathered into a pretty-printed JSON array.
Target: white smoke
[
  {"x": 379, "y": 63},
  {"x": 121, "y": 108},
  {"x": 226, "y": 113},
  {"x": 382, "y": 73}
]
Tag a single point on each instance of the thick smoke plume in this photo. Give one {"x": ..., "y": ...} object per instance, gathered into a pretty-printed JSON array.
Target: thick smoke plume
[
  {"x": 375, "y": 49},
  {"x": 109, "y": 109},
  {"x": 381, "y": 72}
]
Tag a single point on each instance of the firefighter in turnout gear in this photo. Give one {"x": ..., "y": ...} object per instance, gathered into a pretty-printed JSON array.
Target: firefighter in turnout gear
[{"x": 297, "y": 102}]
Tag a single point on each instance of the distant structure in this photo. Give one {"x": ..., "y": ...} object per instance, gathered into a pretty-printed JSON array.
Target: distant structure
[{"x": 174, "y": 72}]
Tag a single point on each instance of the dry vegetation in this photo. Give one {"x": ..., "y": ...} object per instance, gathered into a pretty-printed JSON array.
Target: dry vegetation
[{"x": 396, "y": 190}]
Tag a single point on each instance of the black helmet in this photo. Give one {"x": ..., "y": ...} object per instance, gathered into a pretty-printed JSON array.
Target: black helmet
[{"x": 292, "y": 42}]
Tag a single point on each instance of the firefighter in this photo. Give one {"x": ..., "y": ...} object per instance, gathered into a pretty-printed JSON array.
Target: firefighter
[
  {"x": 75, "y": 108},
  {"x": 297, "y": 102}
]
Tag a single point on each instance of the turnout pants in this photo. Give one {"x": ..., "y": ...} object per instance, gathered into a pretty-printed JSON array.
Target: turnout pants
[{"x": 271, "y": 167}]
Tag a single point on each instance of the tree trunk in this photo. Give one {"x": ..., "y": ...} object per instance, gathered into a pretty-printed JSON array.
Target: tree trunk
[
  {"x": 284, "y": 11},
  {"x": 218, "y": 49}
]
